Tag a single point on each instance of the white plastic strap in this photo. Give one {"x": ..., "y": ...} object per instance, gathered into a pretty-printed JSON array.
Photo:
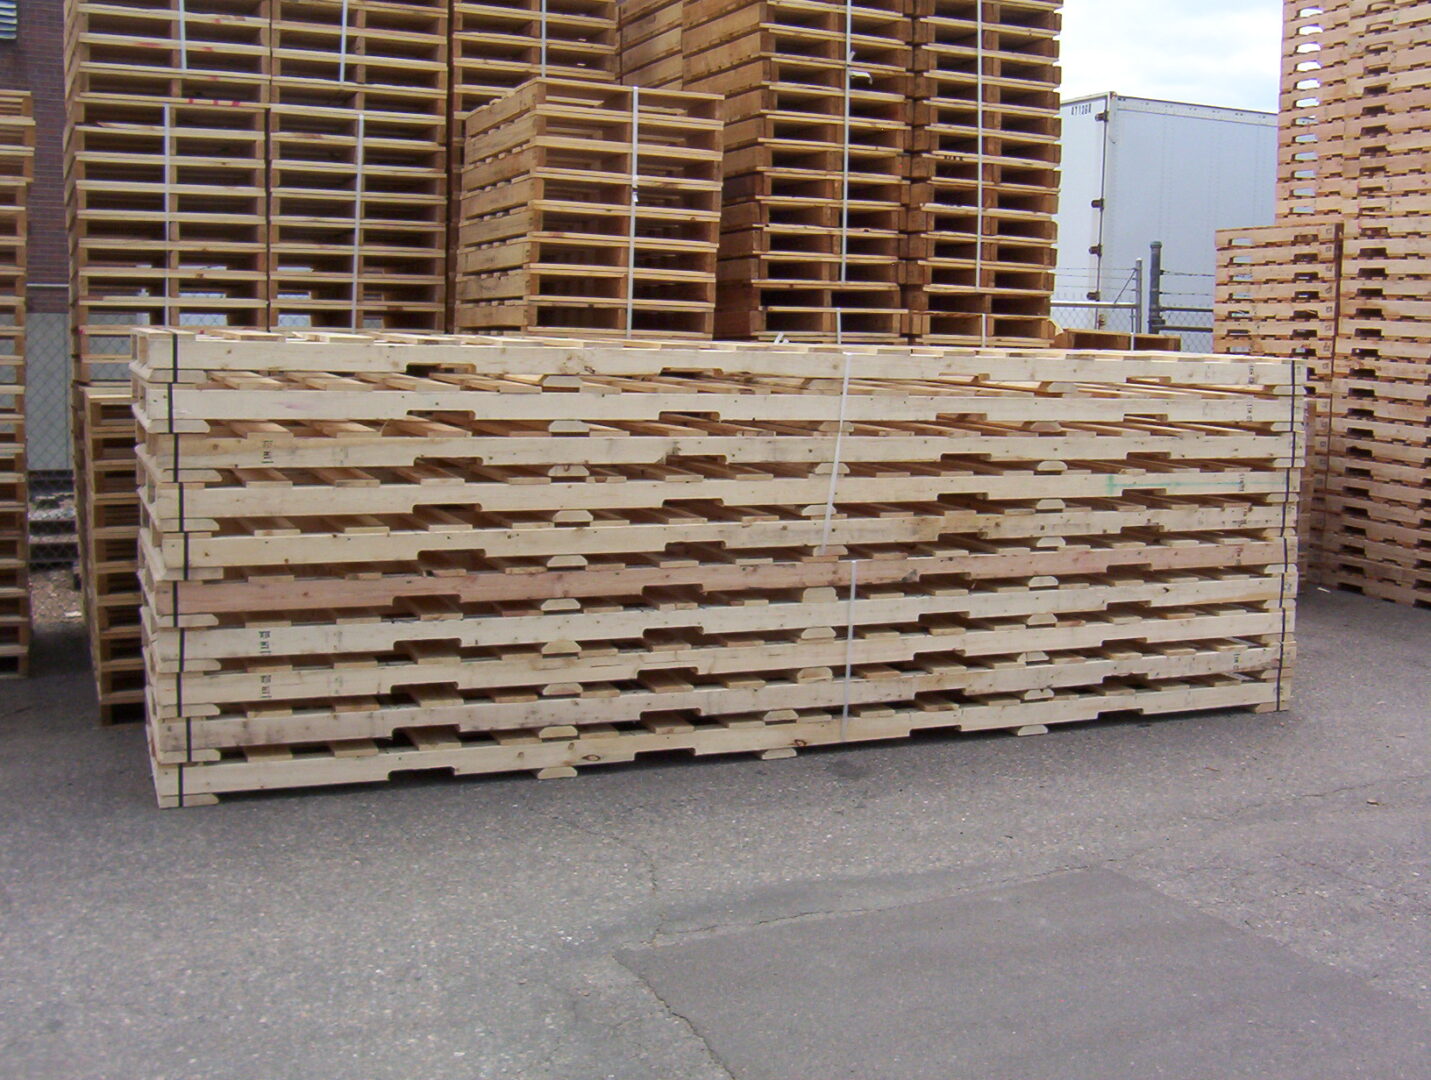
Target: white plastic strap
[
  {"x": 849, "y": 647},
  {"x": 635, "y": 203},
  {"x": 360, "y": 161},
  {"x": 849, "y": 75},
  {"x": 979, "y": 235},
  {"x": 543, "y": 23},
  {"x": 168, "y": 187},
  {"x": 343, "y": 47},
  {"x": 183, "y": 36},
  {"x": 836, "y": 457}
]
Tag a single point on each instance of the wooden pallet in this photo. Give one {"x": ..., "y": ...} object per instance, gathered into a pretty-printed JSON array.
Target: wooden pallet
[
  {"x": 362, "y": 555},
  {"x": 167, "y": 208},
  {"x": 501, "y": 44},
  {"x": 165, "y": 174},
  {"x": 17, "y": 147},
  {"x": 979, "y": 224},
  {"x": 1340, "y": 280},
  {"x": 651, "y": 43},
  {"x": 817, "y": 109},
  {"x": 589, "y": 209},
  {"x": 107, "y": 511}
]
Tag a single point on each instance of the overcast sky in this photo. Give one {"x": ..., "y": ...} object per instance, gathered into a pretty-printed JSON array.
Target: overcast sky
[{"x": 1209, "y": 52}]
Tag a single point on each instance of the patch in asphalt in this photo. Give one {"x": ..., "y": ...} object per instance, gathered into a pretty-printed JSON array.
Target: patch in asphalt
[{"x": 1080, "y": 976}]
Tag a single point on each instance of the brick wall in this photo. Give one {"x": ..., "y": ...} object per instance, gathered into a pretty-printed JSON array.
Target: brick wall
[{"x": 35, "y": 62}]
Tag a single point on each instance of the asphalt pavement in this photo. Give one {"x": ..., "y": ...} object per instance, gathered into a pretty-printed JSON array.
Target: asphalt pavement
[{"x": 1254, "y": 887}]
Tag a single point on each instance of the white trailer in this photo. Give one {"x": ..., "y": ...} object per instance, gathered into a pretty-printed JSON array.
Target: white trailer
[{"x": 1136, "y": 171}]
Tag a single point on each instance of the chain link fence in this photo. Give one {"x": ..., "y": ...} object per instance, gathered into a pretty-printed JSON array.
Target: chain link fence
[
  {"x": 1180, "y": 303},
  {"x": 1092, "y": 315},
  {"x": 48, "y": 445}
]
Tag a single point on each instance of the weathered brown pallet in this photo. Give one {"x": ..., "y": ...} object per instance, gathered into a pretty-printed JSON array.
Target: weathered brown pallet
[
  {"x": 17, "y": 147},
  {"x": 107, "y": 511},
  {"x": 980, "y": 217}
]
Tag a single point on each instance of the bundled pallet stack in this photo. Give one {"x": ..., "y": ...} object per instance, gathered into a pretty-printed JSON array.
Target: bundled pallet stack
[
  {"x": 166, "y": 170},
  {"x": 243, "y": 164},
  {"x": 107, "y": 512},
  {"x": 1278, "y": 291},
  {"x": 980, "y": 230},
  {"x": 891, "y": 167},
  {"x": 1340, "y": 282},
  {"x": 357, "y": 164},
  {"x": 590, "y": 209},
  {"x": 817, "y": 141},
  {"x": 370, "y": 555},
  {"x": 17, "y": 149},
  {"x": 650, "y": 43},
  {"x": 248, "y": 163},
  {"x": 498, "y": 45}
]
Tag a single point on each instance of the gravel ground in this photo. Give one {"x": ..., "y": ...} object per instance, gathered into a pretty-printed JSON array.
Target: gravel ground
[{"x": 54, "y": 598}]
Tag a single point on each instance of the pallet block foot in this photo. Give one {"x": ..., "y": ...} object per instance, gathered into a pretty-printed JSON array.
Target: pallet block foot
[
  {"x": 778, "y": 753},
  {"x": 1031, "y": 729},
  {"x": 556, "y": 772},
  {"x": 173, "y": 802}
]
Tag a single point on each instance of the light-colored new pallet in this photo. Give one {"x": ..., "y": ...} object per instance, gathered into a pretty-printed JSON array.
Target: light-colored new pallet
[
  {"x": 638, "y": 581},
  {"x": 590, "y": 208},
  {"x": 564, "y": 754},
  {"x": 1340, "y": 281}
]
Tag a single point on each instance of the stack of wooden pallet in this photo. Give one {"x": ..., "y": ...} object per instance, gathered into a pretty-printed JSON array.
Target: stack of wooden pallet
[
  {"x": 1277, "y": 291},
  {"x": 1340, "y": 282},
  {"x": 590, "y": 209},
  {"x": 248, "y": 163},
  {"x": 17, "y": 148},
  {"x": 891, "y": 167},
  {"x": 497, "y": 45},
  {"x": 980, "y": 231},
  {"x": 363, "y": 556},
  {"x": 357, "y": 167},
  {"x": 651, "y": 36},
  {"x": 817, "y": 152},
  {"x": 107, "y": 509},
  {"x": 166, "y": 170}
]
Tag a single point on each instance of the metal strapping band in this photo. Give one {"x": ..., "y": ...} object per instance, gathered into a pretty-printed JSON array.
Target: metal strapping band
[
  {"x": 836, "y": 456},
  {"x": 343, "y": 46},
  {"x": 635, "y": 203},
  {"x": 979, "y": 165},
  {"x": 849, "y": 74},
  {"x": 168, "y": 205},
  {"x": 849, "y": 647},
  {"x": 183, "y": 36},
  {"x": 543, "y": 21},
  {"x": 1289, "y": 550},
  {"x": 359, "y": 161}
]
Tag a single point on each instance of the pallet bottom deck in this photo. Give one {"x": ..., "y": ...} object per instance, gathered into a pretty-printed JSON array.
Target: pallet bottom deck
[{"x": 562, "y": 754}]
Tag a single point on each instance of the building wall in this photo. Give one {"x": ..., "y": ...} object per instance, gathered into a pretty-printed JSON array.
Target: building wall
[{"x": 35, "y": 62}]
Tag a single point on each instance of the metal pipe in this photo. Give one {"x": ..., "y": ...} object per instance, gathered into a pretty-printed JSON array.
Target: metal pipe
[{"x": 1155, "y": 290}]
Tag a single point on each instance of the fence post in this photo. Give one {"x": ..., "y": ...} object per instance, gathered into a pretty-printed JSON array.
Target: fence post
[
  {"x": 1137, "y": 296},
  {"x": 1156, "y": 321}
]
